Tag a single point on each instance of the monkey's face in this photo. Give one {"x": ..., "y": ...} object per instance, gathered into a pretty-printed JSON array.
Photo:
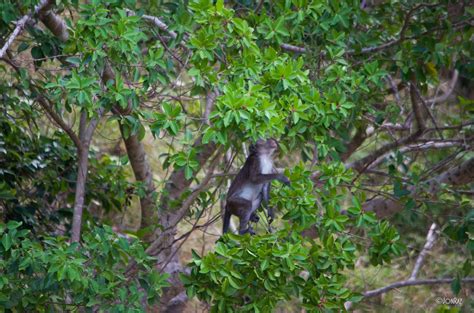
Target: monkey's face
[{"x": 266, "y": 146}]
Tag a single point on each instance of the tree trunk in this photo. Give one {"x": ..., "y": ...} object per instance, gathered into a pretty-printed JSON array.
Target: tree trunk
[
  {"x": 143, "y": 173},
  {"x": 83, "y": 162},
  {"x": 169, "y": 216}
]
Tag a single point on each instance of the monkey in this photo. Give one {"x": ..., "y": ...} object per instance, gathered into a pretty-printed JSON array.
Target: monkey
[{"x": 251, "y": 186}]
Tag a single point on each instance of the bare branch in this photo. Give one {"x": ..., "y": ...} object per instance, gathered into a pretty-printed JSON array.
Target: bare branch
[
  {"x": 59, "y": 121},
  {"x": 362, "y": 164},
  {"x": 451, "y": 85},
  {"x": 406, "y": 283},
  {"x": 292, "y": 48},
  {"x": 157, "y": 22},
  {"x": 430, "y": 240},
  {"x": 429, "y": 145},
  {"x": 20, "y": 25}
]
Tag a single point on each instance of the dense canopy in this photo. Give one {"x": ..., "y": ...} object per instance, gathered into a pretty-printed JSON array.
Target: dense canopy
[{"x": 124, "y": 122}]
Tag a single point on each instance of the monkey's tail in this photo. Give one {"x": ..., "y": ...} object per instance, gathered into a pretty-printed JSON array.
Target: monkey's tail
[{"x": 226, "y": 222}]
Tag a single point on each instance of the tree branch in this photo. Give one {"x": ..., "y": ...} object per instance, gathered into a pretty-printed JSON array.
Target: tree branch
[
  {"x": 430, "y": 240},
  {"x": 86, "y": 132},
  {"x": 355, "y": 142},
  {"x": 61, "y": 123},
  {"x": 53, "y": 22},
  {"x": 383, "y": 46},
  {"x": 157, "y": 22},
  {"x": 143, "y": 173},
  {"x": 429, "y": 145},
  {"x": 459, "y": 175},
  {"x": 451, "y": 85},
  {"x": 20, "y": 25},
  {"x": 406, "y": 283},
  {"x": 362, "y": 164}
]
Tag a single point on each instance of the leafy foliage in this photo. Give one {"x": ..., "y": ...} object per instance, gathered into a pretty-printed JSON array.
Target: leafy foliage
[
  {"x": 52, "y": 275},
  {"x": 310, "y": 73}
]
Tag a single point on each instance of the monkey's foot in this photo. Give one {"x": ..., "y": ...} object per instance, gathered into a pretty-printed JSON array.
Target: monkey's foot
[{"x": 248, "y": 230}]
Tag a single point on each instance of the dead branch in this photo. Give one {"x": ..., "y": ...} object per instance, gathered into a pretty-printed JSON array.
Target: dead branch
[
  {"x": 20, "y": 25},
  {"x": 430, "y": 240},
  {"x": 428, "y": 145},
  {"x": 407, "y": 283}
]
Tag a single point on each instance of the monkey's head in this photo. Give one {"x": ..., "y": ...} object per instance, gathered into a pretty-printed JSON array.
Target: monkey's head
[{"x": 264, "y": 146}]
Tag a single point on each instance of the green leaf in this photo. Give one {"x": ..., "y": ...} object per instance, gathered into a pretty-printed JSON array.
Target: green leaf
[
  {"x": 456, "y": 285},
  {"x": 74, "y": 60},
  {"x": 233, "y": 283},
  {"x": 7, "y": 241}
]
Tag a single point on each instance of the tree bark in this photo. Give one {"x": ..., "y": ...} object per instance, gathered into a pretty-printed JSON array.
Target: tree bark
[
  {"x": 143, "y": 173},
  {"x": 82, "y": 164},
  {"x": 86, "y": 131},
  {"x": 355, "y": 142},
  {"x": 53, "y": 22}
]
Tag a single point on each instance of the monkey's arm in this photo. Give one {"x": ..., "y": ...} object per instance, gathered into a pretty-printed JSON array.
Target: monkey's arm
[
  {"x": 257, "y": 178},
  {"x": 265, "y": 198}
]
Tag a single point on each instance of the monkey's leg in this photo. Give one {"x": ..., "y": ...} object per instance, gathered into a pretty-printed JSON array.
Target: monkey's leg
[
  {"x": 243, "y": 209},
  {"x": 254, "y": 217},
  {"x": 253, "y": 213}
]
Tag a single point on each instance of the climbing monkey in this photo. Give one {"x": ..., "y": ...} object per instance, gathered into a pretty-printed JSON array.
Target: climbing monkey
[{"x": 251, "y": 186}]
